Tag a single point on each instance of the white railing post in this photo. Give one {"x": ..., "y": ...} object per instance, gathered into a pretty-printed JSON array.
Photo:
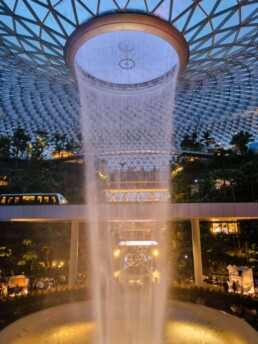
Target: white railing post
[
  {"x": 74, "y": 252},
  {"x": 197, "y": 252}
]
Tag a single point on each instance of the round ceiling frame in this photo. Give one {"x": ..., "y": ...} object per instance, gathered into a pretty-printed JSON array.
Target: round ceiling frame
[{"x": 129, "y": 22}]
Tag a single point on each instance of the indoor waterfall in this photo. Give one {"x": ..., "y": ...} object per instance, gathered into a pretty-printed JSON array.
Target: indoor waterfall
[{"x": 127, "y": 135}]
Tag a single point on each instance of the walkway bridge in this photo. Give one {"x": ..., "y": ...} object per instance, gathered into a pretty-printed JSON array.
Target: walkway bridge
[
  {"x": 131, "y": 211},
  {"x": 195, "y": 212}
]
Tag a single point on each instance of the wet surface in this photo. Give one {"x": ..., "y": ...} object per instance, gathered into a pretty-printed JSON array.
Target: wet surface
[{"x": 72, "y": 323}]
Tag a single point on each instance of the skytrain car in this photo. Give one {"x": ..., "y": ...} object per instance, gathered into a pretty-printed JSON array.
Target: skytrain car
[{"x": 33, "y": 199}]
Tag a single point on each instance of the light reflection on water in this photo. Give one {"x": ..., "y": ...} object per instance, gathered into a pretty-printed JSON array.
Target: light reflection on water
[
  {"x": 71, "y": 324},
  {"x": 177, "y": 332},
  {"x": 78, "y": 333}
]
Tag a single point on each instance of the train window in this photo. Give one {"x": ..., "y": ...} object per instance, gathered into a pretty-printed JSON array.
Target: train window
[
  {"x": 39, "y": 199},
  {"x": 17, "y": 199},
  {"x": 31, "y": 199},
  {"x": 10, "y": 200},
  {"x": 46, "y": 199},
  {"x": 53, "y": 199},
  {"x": 28, "y": 199},
  {"x": 3, "y": 200},
  {"x": 63, "y": 200}
]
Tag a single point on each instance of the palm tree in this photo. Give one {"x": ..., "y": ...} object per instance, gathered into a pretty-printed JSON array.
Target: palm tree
[
  {"x": 240, "y": 141},
  {"x": 5, "y": 144},
  {"x": 207, "y": 139},
  {"x": 191, "y": 142},
  {"x": 19, "y": 143},
  {"x": 39, "y": 145},
  {"x": 29, "y": 256},
  {"x": 59, "y": 142}
]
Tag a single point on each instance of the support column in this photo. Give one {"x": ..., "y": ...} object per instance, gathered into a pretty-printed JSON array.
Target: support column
[
  {"x": 74, "y": 252},
  {"x": 197, "y": 252}
]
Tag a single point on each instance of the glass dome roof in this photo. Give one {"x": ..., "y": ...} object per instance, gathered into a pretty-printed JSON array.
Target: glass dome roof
[{"x": 217, "y": 92}]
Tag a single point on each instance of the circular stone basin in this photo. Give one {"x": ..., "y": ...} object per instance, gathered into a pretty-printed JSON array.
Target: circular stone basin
[{"x": 187, "y": 323}]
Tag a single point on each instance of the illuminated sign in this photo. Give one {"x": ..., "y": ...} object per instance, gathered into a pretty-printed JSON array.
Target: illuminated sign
[{"x": 138, "y": 243}]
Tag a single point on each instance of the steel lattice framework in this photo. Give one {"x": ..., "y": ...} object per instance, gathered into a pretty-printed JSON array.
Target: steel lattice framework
[{"x": 217, "y": 92}]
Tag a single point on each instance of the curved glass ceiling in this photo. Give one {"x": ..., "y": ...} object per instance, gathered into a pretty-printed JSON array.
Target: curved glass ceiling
[{"x": 217, "y": 92}]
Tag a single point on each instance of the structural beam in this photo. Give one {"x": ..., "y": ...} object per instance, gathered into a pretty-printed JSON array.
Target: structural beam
[
  {"x": 74, "y": 252},
  {"x": 197, "y": 252},
  {"x": 134, "y": 211}
]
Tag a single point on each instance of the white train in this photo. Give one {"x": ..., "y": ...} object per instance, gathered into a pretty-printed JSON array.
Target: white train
[{"x": 33, "y": 199}]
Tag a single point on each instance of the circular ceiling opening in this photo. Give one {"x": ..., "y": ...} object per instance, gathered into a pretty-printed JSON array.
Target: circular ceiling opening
[
  {"x": 148, "y": 58},
  {"x": 126, "y": 49}
]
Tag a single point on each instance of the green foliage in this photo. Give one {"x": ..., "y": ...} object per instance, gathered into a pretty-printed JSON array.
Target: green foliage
[
  {"x": 240, "y": 141},
  {"x": 190, "y": 142},
  {"x": 15, "y": 308},
  {"x": 196, "y": 143},
  {"x": 27, "y": 242},
  {"x": 19, "y": 143},
  {"x": 5, "y": 144},
  {"x": 236, "y": 304},
  {"x": 47, "y": 176},
  {"x": 207, "y": 139},
  {"x": 38, "y": 145},
  {"x": 229, "y": 176},
  {"x": 61, "y": 142},
  {"x": 5, "y": 252},
  {"x": 33, "y": 247}
]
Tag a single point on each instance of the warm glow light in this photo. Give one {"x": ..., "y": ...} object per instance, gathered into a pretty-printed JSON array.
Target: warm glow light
[
  {"x": 62, "y": 154},
  {"x": 224, "y": 228},
  {"x": 155, "y": 253},
  {"x": 189, "y": 332},
  {"x": 138, "y": 243},
  {"x": 102, "y": 175},
  {"x": 64, "y": 333},
  {"x": 117, "y": 252},
  {"x": 221, "y": 183},
  {"x": 4, "y": 180},
  {"x": 176, "y": 171}
]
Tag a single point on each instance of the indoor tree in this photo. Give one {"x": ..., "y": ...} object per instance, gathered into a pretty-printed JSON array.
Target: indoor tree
[{"x": 240, "y": 141}]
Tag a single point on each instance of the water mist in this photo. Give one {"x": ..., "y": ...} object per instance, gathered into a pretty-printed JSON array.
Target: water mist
[{"x": 106, "y": 117}]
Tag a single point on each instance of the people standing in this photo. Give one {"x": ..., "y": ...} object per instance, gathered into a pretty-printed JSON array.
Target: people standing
[
  {"x": 225, "y": 285},
  {"x": 234, "y": 287}
]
